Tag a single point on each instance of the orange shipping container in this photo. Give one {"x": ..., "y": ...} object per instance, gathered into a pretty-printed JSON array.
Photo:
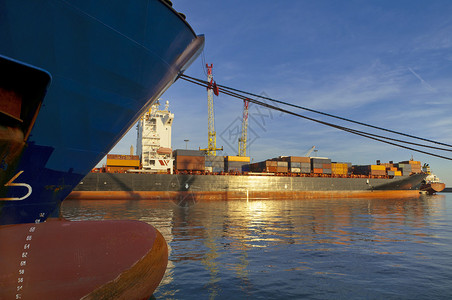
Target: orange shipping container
[{"x": 299, "y": 159}]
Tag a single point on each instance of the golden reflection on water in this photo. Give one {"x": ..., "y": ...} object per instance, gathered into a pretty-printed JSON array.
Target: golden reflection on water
[{"x": 222, "y": 234}]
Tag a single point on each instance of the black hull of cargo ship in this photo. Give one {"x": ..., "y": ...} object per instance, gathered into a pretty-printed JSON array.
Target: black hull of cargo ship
[{"x": 210, "y": 187}]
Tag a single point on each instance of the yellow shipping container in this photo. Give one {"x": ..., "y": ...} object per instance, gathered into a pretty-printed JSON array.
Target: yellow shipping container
[
  {"x": 339, "y": 168},
  {"x": 378, "y": 167},
  {"x": 238, "y": 158},
  {"x": 397, "y": 173},
  {"x": 123, "y": 162}
]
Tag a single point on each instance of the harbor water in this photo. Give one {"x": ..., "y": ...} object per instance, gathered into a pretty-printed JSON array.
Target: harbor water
[{"x": 296, "y": 249}]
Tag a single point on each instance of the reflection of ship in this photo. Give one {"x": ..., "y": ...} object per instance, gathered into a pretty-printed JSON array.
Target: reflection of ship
[
  {"x": 95, "y": 67},
  {"x": 432, "y": 184}
]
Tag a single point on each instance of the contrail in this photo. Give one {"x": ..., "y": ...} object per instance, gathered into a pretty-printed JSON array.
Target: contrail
[{"x": 422, "y": 80}]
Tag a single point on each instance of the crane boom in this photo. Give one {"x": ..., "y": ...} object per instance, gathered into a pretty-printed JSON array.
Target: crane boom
[{"x": 310, "y": 151}]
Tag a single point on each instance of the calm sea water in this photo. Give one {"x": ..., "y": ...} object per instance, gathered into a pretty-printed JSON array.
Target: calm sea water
[{"x": 297, "y": 249}]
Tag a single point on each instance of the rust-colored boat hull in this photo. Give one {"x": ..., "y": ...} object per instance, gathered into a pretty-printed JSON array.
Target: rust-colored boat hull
[
  {"x": 81, "y": 260},
  {"x": 235, "y": 195},
  {"x": 433, "y": 188}
]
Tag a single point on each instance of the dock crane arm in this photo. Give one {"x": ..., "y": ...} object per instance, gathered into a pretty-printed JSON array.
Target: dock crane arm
[{"x": 310, "y": 151}]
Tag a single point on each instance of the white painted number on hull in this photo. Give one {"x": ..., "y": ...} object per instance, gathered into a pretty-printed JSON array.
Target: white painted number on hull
[{"x": 11, "y": 183}]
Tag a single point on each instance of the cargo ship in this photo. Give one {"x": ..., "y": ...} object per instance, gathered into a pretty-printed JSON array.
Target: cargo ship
[
  {"x": 192, "y": 184},
  {"x": 74, "y": 77},
  {"x": 157, "y": 172}
]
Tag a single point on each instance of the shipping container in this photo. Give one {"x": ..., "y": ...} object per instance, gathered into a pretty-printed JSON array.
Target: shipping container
[
  {"x": 194, "y": 163},
  {"x": 246, "y": 168},
  {"x": 394, "y": 173},
  {"x": 215, "y": 158},
  {"x": 235, "y": 166},
  {"x": 406, "y": 169},
  {"x": 378, "y": 170},
  {"x": 271, "y": 169},
  {"x": 293, "y": 164},
  {"x": 305, "y": 170},
  {"x": 237, "y": 158},
  {"x": 317, "y": 171},
  {"x": 120, "y": 156},
  {"x": 305, "y": 165},
  {"x": 282, "y": 164},
  {"x": 295, "y": 170},
  {"x": 410, "y": 162},
  {"x": 183, "y": 152},
  {"x": 282, "y": 169},
  {"x": 271, "y": 163},
  {"x": 377, "y": 167},
  {"x": 320, "y": 160},
  {"x": 339, "y": 168},
  {"x": 298, "y": 159},
  {"x": 117, "y": 169},
  {"x": 117, "y": 161},
  {"x": 317, "y": 166},
  {"x": 214, "y": 164}
]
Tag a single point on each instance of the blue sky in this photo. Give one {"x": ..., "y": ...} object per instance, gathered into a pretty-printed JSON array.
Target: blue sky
[{"x": 387, "y": 63}]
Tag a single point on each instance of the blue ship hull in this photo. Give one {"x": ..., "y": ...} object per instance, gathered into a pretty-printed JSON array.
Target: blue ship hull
[{"x": 108, "y": 61}]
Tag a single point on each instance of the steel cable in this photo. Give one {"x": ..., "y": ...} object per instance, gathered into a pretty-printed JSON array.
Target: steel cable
[{"x": 235, "y": 93}]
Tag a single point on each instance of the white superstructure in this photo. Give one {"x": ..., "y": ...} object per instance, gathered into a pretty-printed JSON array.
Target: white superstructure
[{"x": 154, "y": 139}]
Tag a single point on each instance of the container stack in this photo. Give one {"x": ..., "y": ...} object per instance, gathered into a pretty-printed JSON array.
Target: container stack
[
  {"x": 392, "y": 170},
  {"x": 298, "y": 164},
  {"x": 321, "y": 165},
  {"x": 340, "y": 168},
  {"x": 404, "y": 168},
  {"x": 189, "y": 160},
  {"x": 267, "y": 166},
  {"x": 410, "y": 166},
  {"x": 235, "y": 163},
  {"x": 214, "y": 164},
  {"x": 282, "y": 166},
  {"x": 121, "y": 163},
  {"x": 376, "y": 170}
]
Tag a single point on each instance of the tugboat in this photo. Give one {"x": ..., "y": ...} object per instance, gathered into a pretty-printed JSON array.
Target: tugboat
[{"x": 432, "y": 184}]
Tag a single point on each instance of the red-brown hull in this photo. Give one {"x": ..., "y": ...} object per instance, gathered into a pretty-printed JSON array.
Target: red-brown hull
[
  {"x": 85, "y": 259},
  {"x": 235, "y": 195},
  {"x": 432, "y": 188}
]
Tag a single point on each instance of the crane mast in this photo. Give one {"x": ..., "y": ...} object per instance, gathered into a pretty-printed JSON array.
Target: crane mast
[
  {"x": 243, "y": 138},
  {"x": 211, "y": 135}
]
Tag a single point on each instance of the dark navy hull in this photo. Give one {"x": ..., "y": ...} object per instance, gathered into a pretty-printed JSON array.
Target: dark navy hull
[
  {"x": 108, "y": 61},
  {"x": 161, "y": 185}
]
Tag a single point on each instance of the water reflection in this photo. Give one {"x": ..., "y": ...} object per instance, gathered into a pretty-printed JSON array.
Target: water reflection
[{"x": 260, "y": 248}]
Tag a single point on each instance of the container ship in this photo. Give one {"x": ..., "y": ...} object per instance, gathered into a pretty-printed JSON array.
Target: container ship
[
  {"x": 281, "y": 178},
  {"x": 74, "y": 77},
  {"x": 157, "y": 172}
]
